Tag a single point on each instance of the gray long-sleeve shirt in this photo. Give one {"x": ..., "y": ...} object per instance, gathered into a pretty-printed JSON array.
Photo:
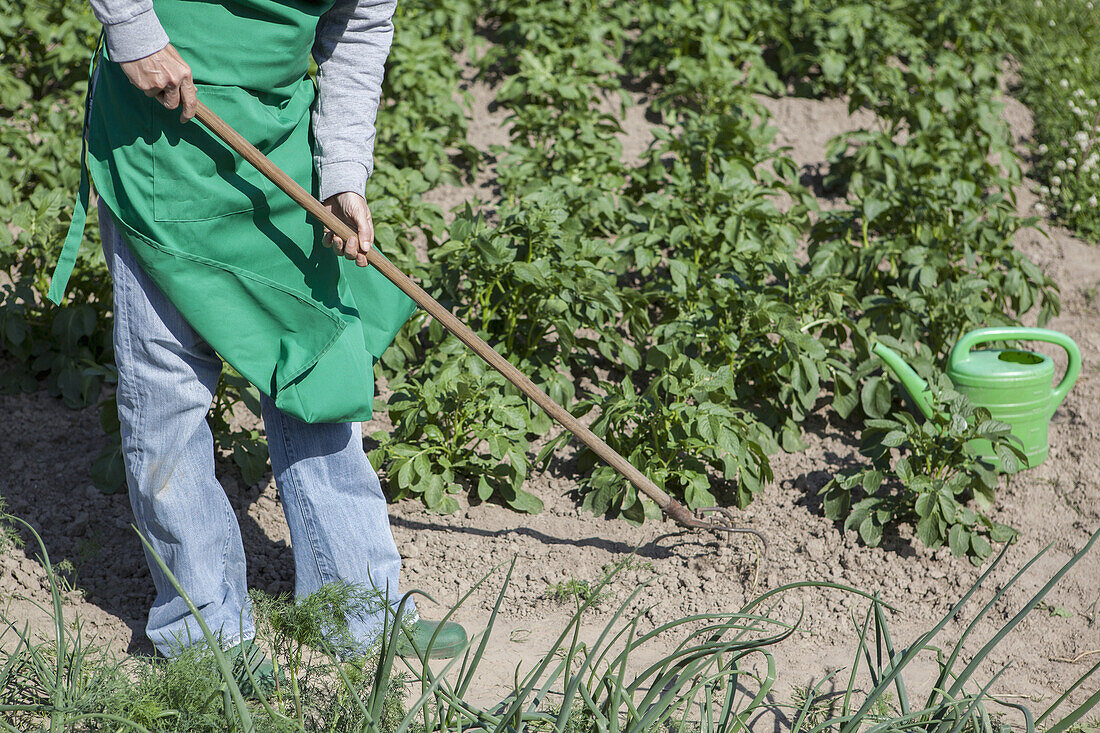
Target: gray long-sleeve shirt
[{"x": 352, "y": 43}]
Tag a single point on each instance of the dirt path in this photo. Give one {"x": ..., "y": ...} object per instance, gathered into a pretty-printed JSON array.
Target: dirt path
[{"x": 48, "y": 450}]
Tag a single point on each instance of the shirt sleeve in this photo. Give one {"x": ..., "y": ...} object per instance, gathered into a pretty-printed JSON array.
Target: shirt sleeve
[
  {"x": 352, "y": 43},
  {"x": 132, "y": 28}
]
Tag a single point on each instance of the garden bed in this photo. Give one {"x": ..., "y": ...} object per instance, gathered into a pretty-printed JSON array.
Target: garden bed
[{"x": 50, "y": 449}]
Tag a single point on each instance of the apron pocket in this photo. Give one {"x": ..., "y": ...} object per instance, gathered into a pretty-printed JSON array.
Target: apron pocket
[{"x": 195, "y": 176}]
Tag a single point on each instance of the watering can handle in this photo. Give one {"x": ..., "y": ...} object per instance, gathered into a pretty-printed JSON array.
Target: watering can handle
[{"x": 1021, "y": 333}]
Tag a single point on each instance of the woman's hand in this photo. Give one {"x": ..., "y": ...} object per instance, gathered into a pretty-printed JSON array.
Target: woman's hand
[
  {"x": 352, "y": 209},
  {"x": 167, "y": 77}
]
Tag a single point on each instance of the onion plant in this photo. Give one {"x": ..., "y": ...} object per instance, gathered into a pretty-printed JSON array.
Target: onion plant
[{"x": 715, "y": 674}]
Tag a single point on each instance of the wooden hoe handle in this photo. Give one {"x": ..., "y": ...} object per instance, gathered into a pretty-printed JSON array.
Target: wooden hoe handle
[{"x": 233, "y": 139}]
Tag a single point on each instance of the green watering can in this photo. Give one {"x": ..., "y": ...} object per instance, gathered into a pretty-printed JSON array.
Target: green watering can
[{"x": 1014, "y": 385}]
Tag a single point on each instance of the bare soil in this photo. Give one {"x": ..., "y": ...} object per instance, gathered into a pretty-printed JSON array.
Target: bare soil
[{"x": 47, "y": 452}]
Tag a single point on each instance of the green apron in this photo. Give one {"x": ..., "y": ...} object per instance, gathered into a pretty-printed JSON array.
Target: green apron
[{"x": 238, "y": 258}]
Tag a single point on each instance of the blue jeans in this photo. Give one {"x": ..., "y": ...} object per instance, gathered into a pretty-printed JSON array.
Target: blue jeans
[{"x": 333, "y": 503}]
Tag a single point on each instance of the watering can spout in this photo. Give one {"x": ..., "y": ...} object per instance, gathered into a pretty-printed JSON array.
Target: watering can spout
[{"x": 914, "y": 385}]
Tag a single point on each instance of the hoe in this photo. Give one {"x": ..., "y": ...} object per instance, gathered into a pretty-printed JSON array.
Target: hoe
[{"x": 716, "y": 518}]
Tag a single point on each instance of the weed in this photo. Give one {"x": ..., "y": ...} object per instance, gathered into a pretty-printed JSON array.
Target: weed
[
  {"x": 581, "y": 591},
  {"x": 9, "y": 537},
  {"x": 1089, "y": 293},
  {"x": 1058, "y": 611},
  {"x": 817, "y": 708},
  {"x": 578, "y": 591},
  {"x": 1092, "y": 726}
]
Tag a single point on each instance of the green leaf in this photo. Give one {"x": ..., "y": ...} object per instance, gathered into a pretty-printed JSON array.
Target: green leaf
[
  {"x": 924, "y": 505},
  {"x": 108, "y": 470},
  {"x": 876, "y": 397},
  {"x": 928, "y": 531},
  {"x": 448, "y": 505},
  {"x": 959, "y": 540},
  {"x": 526, "y": 502},
  {"x": 873, "y": 207},
  {"x": 250, "y": 455},
  {"x": 484, "y": 489},
  {"x": 837, "y": 501},
  {"x": 679, "y": 273},
  {"x": 870, "y": 532},
  {"x": 433, "y": 494},
  {"x": 845, "y": 398},
  {"x": 791, "y": 438},
  {"x": 1002, "y": 533},
  {"x": 980, "y": 546},
  {"x": 405, "y": 475},
  {"x": 871, "y": 481},
  {"x": 832, "y": 65},
  {"x": 894, "y": 438},
  {"x": 420, "y": 465},
  {"x": 630, "y": 357}
]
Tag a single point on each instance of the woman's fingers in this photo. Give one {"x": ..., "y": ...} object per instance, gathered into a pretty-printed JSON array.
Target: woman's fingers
[
  {"x": 348, "y": 248},
  {"x": 352, "y": 209},
  {"x": 364, "y": 224},
  {"x": 351, "y": 248},
  {"x": 169, "y": 96},
  {"x": 166, "y": 76},
  {"x": 189, "y": 99}
]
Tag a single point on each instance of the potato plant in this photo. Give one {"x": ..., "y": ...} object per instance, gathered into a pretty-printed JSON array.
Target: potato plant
[
  {"x": 924, "y": 473},
  {"x": 693, "y": 441},
  {"x": 458, "y": 427},
  {"x": 422, "y": 124},
  {"x": 537, "y": 284},
  {"x": 697, "y": 303}
]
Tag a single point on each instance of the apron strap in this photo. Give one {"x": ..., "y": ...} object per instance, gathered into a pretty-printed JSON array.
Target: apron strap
[
  {"x": 67, "y": 261},
  {"x": 71, "y": 249}
]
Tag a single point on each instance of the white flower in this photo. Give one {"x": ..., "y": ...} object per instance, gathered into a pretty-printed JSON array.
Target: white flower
[
  {"x": 1095, "y": 177},
  {"x": 1040, "y": 208},
  {"x": 1078, "y": 92},
  {"x": 1056, "y": 192},
  {"x": 1043, "y": 149},
  {"x": 1056, "y": 180},
  {"x": 1071, "y": 163},
  {"x": 1052, "y": 22},
  {"x": 1045, "y": 190},
  {"x": 1060, "y": 165},
  {"x": 1076, "y": 208},
  {"x": 1091, "y": 103},
  {"x": 1064, "y": 83},
  {"x": 1092, "y": 201}
]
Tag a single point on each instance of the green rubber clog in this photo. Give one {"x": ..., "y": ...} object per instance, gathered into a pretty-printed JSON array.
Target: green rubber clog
[
  {"x": 247, "y": 654},
  {"x": 450, "y": 640}
]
